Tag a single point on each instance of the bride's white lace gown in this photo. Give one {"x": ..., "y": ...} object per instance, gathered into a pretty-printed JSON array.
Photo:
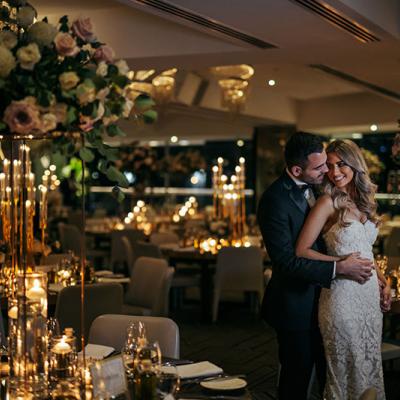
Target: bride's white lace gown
[{"x": 351, "y": 320}]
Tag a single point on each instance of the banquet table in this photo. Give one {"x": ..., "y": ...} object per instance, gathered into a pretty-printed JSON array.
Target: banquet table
[{"x": 206, "y": 262}]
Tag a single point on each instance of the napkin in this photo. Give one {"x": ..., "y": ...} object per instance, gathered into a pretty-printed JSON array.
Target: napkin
[
  {"x": 195, "y": 370},
  {"x": 104, "y": 272},
  {"x": 97, "y": 351}
]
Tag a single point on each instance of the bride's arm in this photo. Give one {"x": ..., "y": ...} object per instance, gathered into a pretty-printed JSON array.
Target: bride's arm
[
  {"x": 384, "y": 286},
  {"x": 316, "y": 220}
]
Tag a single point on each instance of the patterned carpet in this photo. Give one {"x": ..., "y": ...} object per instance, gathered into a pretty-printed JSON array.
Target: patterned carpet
[{"x": 242, "y": 344}]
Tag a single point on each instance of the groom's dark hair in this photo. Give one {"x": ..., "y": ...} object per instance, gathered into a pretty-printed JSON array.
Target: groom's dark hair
[{"x": 300, "y": 146}]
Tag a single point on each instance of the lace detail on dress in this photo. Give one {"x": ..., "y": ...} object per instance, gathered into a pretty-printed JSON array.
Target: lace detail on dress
[{"x": 350, "y": 320}]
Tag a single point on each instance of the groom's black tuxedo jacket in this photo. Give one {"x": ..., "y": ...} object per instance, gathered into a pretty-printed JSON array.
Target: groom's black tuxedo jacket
[{"x": 291, "y": 298}]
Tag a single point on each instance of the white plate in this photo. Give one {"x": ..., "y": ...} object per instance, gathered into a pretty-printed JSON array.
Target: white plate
[{"x": 224, "y": 384}]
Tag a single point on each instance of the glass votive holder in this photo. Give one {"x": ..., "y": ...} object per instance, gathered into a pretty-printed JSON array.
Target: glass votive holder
[
  {"x": 63, "y": 358},
  {"x": 66, "y": 390}
]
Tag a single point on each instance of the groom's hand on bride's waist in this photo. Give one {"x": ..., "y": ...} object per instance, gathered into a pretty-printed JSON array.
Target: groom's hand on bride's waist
[{"x": 355, "y": 268}]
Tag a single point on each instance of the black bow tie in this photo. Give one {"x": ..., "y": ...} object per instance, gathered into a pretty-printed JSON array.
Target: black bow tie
[{"x": 305, "y": 187}]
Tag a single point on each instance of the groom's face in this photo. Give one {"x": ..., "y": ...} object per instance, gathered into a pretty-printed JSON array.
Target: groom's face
[{"x": 314, "y": 171}]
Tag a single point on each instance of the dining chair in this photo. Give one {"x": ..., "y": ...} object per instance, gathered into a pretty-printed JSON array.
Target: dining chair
[
  {"x": 70, "y": 237},
  {"x": 144, "y": 249},
  {"x": 100, "y": 298},
  {"x": 134, "y": 235},
  {"x": 390, "y": 351},
  {"x": 369, "y": 394},
  {"x": 159, "y": 238},
  {"x": 239, "y": 269},
  {"x": 55, "y": 259},
  {"x": 148, "y": 292},
  {"x": 110, "y": 330},
  {"x": 121, "y": 253}
]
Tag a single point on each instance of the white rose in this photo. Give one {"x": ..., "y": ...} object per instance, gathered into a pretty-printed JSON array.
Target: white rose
[
  {"x": 102, "y": 69},
  {"x": 103, "y": 93},
  {"x": 49, "y": 122},
  {"x": 8, "y": 39},
  {"x": 7, "y": 62},
  {"x": 122, "y": 66},
  {"x": 42, "y": 33},
  {"x": 28, "y": 56},
  {"x": 68, "y": 80},
  {"x": 25, "y": 16},
  {"x": 100, "y": 111}
]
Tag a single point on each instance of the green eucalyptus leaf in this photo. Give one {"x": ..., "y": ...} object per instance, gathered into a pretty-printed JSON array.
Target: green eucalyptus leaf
[
  {"x": 118, "y": 194},
  {"x": 115, "y": 175},
  {"x": 63, "y": 19},
  {"x": 112, "y": 154},
  {"x": 72, "y": 115},
  {"x": 144, "y": 102},
  {"x": 103, "y": 166},
  {"x": 121, "y": 80},
  {"x": 115, "y": 130},
  {"x": 112, "y": 70},
  {"x": 86, "y": 154},
  {"x": 150, "y": 116}
]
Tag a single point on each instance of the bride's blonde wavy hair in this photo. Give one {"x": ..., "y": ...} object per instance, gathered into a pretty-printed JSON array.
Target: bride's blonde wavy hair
[{"x": 361, "y": 191}]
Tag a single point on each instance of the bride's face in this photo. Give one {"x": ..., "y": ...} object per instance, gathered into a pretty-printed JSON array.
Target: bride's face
[{"x": 339, "y": 173}]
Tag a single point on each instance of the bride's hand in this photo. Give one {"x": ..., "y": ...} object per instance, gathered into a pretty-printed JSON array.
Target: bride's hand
[{"x": 386, "y": 298}]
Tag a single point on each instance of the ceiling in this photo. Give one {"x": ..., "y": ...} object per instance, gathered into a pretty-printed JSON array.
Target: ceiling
[{"x": 355, "y": 84}]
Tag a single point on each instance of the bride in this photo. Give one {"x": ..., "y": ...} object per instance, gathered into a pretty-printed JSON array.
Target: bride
[{"x": 350, "y": 317}]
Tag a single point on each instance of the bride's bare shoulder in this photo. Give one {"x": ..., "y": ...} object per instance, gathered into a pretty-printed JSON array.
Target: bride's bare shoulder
[{"x": 325, "y": 202}]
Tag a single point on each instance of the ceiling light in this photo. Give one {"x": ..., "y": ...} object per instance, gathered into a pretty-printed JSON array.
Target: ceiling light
[
  {"x": 240, "y": 143},
  {"x": 233, "y": 81},
  {"x": 271, "y": 82},
  {"x": 194, "y": 180},
  {"x": 356, "y": 135},
  {"x": 373, "y": 128},
  {"x": 174, "y": 139}
]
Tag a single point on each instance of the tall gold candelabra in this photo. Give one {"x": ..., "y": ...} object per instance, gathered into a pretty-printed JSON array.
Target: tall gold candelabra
[
  {"x": 229, "y": 198},
  {"x": 25, "y": 289}
]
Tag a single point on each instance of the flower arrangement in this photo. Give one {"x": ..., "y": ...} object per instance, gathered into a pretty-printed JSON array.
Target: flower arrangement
[
  {"x": 396, "y": 148},
  {"x": 374, "y": 164},
  {"x": 185, "y": 162},
  {"x": 62, "y": 82}
]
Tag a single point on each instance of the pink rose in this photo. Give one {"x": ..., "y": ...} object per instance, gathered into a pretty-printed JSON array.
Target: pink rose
[
  {"x": 65, "y": 45},
  {"x": 22, "y": 117},
  {"x": 104, "y": 53},
  {"x": 86, "y": 123},
  {"x": 83, "y": 28}
]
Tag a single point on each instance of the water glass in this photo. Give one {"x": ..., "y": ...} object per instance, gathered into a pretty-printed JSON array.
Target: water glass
[{"x": 168, "y": 382}]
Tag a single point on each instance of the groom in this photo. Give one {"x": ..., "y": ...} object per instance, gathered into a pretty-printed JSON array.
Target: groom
[{"x": 290, "y": 302}]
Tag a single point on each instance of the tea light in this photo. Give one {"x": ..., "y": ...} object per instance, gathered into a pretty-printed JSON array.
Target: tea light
[
  {"x": 62, "y": 347},
  {"x": 36, "y": 292},
  {"x": 13, "y": 312}
]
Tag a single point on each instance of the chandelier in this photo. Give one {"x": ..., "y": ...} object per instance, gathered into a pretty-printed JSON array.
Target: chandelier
[
  {"x": 159, "y": 86},
  {"x": 234, "y": 83}
]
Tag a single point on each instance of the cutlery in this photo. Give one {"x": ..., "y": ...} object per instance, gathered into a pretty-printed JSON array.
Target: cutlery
[
  {"x": 222, "y": 378},
  {"x": 211, "y": 397},
  {"x": 218, "y": 377}
]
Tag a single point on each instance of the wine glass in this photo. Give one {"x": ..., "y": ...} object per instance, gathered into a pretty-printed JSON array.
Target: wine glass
[
  {"x": 135, "y": 338},
  {"x": 168, "y": 382},
  {"x": 149, "y": 353}
]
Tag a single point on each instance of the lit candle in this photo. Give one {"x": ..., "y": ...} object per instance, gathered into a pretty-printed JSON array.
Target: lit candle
[
  {"x": 62, "y": 347},
  {"x": 6, "y": 166},
  {"x": 36, "y": 292},
  {"x": 13, "y": 312}
]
